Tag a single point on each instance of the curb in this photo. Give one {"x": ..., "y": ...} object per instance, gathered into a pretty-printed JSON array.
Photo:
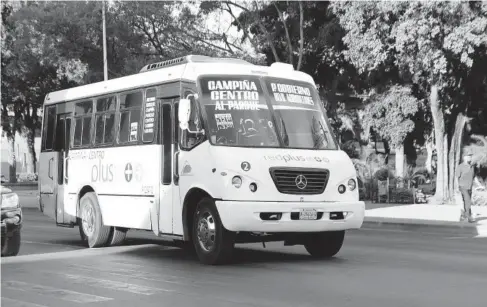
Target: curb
[{"x": 426, "y": 226}]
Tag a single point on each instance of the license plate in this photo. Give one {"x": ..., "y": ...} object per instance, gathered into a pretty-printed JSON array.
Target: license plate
[{"x": 308, "y": 214}]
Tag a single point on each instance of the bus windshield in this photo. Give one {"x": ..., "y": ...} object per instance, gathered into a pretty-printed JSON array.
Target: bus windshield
[{"x": 287, "y": 114}]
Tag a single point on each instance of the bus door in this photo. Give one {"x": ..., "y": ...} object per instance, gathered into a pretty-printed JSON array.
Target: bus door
[
  {"x": 48, "y": 164},
  {"x": 63, "y": 133},
  {"x": 169, "y": 193}
]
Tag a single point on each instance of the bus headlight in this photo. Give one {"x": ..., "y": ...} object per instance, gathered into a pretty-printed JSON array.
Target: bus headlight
[
  {"x": 10, "y": 200},
  {"x": 237, "y": 181},
  {"x": 352, "y": 184},
  {"x": 341, "y": 189}
]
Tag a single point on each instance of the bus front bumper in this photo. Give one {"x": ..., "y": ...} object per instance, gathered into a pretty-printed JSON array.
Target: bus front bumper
[{"x": 290, "y": 216}]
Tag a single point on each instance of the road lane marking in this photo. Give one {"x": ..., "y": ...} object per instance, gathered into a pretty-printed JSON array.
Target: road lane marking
[
  {"x": 111, "y": 284},
  {"x": 179, "y": 280},
  {"x": 128, "y": 273},
  {"x": 16, "y": 303},
  {"x": 57, "y": 293},
  {"x": 87, "y": 252}
]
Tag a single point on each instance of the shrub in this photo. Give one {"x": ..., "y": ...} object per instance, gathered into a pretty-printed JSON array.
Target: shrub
[
  {"x": 479, "y": 194},
  {"x": 27, "y": 177}
]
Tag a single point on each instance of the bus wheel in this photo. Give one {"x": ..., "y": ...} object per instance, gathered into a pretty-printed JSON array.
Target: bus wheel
[
  {"x": 117, "y": 235},
  {"x": 324, "y": 244},
  {"x": 213, "y": 243},
  {"x": 82, "y": 234},
  {"x": 96, "y": 233}
]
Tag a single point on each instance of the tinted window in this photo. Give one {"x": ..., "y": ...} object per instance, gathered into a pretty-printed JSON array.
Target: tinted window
[
  {"x": 50, "y": 121},
  {"x": 84, "y": 107},
  {"x": 82, "y": 127},
  {"x": 130, "y": 113},
  {"x": 105, "y": 119}
]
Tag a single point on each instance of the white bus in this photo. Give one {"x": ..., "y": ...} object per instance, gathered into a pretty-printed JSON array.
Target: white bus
[{"x": 208, "y": 152}]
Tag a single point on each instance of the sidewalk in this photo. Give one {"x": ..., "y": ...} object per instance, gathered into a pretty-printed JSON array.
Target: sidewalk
[{"x": 425, "y": 218}]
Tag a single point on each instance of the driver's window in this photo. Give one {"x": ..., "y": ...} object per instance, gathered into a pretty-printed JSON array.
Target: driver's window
[{"x": 189, "y": 139}]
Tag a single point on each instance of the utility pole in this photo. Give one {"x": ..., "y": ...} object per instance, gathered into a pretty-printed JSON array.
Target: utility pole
[{"x": 105, "y": 68}]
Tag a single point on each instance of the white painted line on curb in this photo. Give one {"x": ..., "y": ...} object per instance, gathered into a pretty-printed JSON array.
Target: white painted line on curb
[{"x": 74, "y": 254}]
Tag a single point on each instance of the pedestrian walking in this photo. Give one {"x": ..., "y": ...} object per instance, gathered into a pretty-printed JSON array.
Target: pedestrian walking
[{"x": 466, "y": 175}]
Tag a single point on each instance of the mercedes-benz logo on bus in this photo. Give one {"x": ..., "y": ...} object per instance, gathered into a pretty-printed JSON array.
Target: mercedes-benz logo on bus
[{"x": 301, "y": 182}]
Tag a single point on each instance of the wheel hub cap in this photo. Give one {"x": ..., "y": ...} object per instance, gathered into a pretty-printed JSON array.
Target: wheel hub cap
[
  {"x": 206, "y": 232},
  {"x": 88, "y": 220}
]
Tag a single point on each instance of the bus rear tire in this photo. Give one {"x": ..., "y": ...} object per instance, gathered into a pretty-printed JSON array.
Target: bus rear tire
[
  {"x": 117, "y": 236},
  {"x": 324, "y": 244},
  {"x": 212, "y": 242},
  {"x": 96, "y": 233},
  {"x": 82, "y": 234}
]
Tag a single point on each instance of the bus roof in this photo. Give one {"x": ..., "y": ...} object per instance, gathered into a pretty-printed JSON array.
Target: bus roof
[{"x": 184, "y": 68}]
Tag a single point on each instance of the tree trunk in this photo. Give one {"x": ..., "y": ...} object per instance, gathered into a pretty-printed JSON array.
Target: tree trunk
[
  {"x": 455, "y": 152},
  {"x": 301, "y": 35},
  {"x": 439, "y": 128},
  {"x": 288, "y": 38},
  {"x": 429, "y": 156},
  {"x": 400, "y": 161},
  {"x": 31, "y": 165},
  {"x": 446, "y": 169},
  {"x": 12, "y": 161}
]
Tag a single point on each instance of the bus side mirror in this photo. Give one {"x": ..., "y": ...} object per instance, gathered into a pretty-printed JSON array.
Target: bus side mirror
[{"x": 184, "y": 113}]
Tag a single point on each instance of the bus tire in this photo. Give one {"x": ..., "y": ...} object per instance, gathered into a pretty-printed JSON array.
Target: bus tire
[
  {"x": 82, "y": 234},
  {"x": 91, "y": 221},
  {"x": 324, "y": 244},
  {"x": 117, "y": 236},
  {"x": 212, "y": 242}
]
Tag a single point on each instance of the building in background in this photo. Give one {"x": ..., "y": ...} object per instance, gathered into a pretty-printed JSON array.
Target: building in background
[{"x": 21, "y": 153}]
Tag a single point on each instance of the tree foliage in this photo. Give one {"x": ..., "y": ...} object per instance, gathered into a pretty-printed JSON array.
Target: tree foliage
[
  {"x": 390, "y": 114},
  {"x": 434, "y": 45}
]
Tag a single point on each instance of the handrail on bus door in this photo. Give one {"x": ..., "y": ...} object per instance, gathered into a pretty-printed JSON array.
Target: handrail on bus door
[
  {"x": 176, "y": 165},
  {"x": 49, "y": 169},
  {"x": 66, "y": 168}
]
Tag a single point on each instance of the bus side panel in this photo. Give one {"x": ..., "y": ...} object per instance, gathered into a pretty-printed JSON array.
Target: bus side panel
[
  {"x": 127, "y": 211},
  {"x": 48, "y": 176},
  {"x": 125, "y": 180}
]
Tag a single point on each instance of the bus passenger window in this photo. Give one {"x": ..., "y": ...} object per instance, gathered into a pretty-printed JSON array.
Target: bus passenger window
[
  {"x": 49, "y": 128},
  {"x": 78, "y": 126},
  {"x": 188, "y": 139},
  {"x": 82, "y": 126},
  {"x": 104, "y": 120},
  {"x": 130, "y": 111}
]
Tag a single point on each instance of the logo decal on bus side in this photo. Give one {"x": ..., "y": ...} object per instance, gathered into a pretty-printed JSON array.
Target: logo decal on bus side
[{"x": 128, "y": 172}]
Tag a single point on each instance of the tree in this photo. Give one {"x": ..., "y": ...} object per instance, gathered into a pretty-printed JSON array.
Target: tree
[
  {"x": 435, "y": 45},
  {"x": 30, "y": 69},
  {"x": 390, "y": 114}
]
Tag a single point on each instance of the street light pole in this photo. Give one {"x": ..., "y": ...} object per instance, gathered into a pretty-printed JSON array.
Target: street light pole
[{"x": 105, "y": 68}]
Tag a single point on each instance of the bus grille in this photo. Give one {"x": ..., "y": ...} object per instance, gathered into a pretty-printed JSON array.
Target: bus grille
[{"x": 300, "y": 180}]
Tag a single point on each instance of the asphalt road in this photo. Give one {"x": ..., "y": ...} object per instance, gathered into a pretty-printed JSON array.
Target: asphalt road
[{"x": 374, "y": 268}]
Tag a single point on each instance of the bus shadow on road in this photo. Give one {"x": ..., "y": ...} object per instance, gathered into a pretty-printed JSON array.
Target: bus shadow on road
[{"x": 241, "y": 255}]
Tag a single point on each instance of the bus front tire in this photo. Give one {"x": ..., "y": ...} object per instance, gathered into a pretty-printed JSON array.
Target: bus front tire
[
  {"x": 96, "y": 233},
  {"x": 324, "y": 244},
  {"x": 212, "y": 242}
]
